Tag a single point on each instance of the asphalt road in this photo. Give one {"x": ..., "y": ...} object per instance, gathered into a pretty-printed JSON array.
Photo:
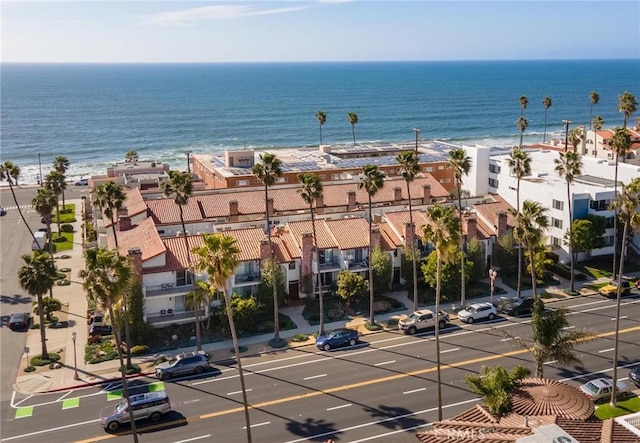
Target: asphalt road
[
  {"x": 15, "y": 240},
  {"x": 383, "y": 389}
]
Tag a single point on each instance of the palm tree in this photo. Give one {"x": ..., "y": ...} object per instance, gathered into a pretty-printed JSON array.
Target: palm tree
[
  {"x": 530, "y": 224},
  {"x": 267, "y": 170},
  {"x": 322, "y": 119},
  {"x": 627, "y": 105},
  {"x": 619, "y": 143},
  {"x": 44, "y": 202},
  {"x": 109, "y": 199},
  {"x": 524, "y": 101},
  {"x": 179, "y": 188},
  {"x": 442, "y": 232},
  {"x": 520, "y": 165},
  {"x": 495, "y": 386},
  {"x": 311, "y": 190},
  {"x": 61, "y": 164},
  {"x": 546, "y": 102},
  {"x": 409, "y": 168},
  {"x": 54, "y": 180},
  {"x": 371, "y": 180},
  {"x": 10, "y": 172},
  {"x": 522, "y": 124},
  {"x": 597, "y": 124},
  {"x": 49, "y": 306},
  {"x": 36, "y": 276},
  {"x": 595, "y": 98},
  {"x": 106, "y": 277},
  {"x": 627, "y": 203},
  {"x": 218, "y": 257},
  {"x": 461, "y": 164},
  {"x": 569, "y": 166},
  {"x": 131, "y": 156},
  {"x": 353, "y": 119},
  {"x": 575, "y": 137}
]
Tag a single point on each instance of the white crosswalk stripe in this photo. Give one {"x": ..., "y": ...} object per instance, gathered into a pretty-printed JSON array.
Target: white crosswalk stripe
[{"x": 14, "y": 207}]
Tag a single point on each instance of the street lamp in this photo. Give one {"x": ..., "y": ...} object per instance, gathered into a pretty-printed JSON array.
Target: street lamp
[
  {"x": 566, "y": 133},
  {"x": 188, "y": 161},
  {"x": 417, "y": 131},
  {"x": 74, "y": 336},
  {"x": 492, "y": 276}
]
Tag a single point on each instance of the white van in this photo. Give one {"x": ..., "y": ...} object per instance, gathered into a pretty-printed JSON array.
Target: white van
[
  {"x": 39, "y": 240},
  {"x": 148, "y": 405}
]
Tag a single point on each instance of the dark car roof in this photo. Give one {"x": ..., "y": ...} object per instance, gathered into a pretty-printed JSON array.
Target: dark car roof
[{"x": 19, "y": 316}]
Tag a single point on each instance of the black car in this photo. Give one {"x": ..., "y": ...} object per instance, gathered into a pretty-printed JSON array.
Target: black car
[
  {"x": 518, "y": 307},
  {"x": 20, "y": 321},
  {"x": 634, "y": 375}
]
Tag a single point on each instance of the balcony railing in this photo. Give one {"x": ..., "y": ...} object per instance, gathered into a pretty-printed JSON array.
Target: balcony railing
[
  {"x": 330, "y": 265},
  {"x": 247, "y": 278},
  {"x": 166, "y": 289},
  {"x": 168, "y": 316}
]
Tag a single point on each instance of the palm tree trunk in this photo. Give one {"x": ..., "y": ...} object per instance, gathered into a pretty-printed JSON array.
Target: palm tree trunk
[
  {"x": 113, "y": 228},
  {"x": 234, "y": 337},
  {"x": 353, "y": 131},
  {"x": 544, "y": 137},
  {"x": 125, "y": 383},
  {"x": 319, "y": 286},
  {"x": 414, "y": 259},
  {"x": 371, "y": 314},
  {"x": 43, "y": 334},
  {"x": 539, "y": 369},
  {"x": 519, "y": 287},
  {"x": 462, "y": 243},
  {"x": 615, "y": 220},
  {"x": 15, "y": 199},
  {"x": 49, "y": 236},
  {"x": 571, "y": 237},
  {"x": 193, "y": 281},
  {"x": 437, "y": 335},
  {"x": 127, "y": 333},
  {"x": 320, "y": 134},
  {"x": 614, "y": 376},
  {"x": 533, "y": 272},
  {"x": 274, "y": 283},
  {"x": 58, "y": 217}
]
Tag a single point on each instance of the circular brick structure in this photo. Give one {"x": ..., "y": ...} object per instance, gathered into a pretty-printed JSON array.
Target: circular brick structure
[{"x": 541, "y": 396}]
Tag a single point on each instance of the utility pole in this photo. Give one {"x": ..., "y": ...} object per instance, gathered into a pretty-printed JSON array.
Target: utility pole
[
  {"x": 566, "y": 134},
  {"x": 417, "y": 131}
]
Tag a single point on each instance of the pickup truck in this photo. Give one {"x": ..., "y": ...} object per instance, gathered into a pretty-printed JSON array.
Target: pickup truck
[
  {"x": 421, "y": 320},
  {"x": 97, "y": 325}
]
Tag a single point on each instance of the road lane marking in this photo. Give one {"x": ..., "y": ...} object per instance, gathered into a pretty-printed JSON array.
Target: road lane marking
[
  {"x": 62, "y": 398},
  {"x": 15, "y": 405},
  {"x": 60, "y": 428},
  {"x": 449, "y": 350},
  {"x": 238, "y": 392},
  {"x": 194, "y": 438},
  {"x": 70, "y": 403},
  {"x": 606, "y": 350},
  {"x": 339, "y": 407},
  {"x": 550, "y": 362},
  {"x": 264, "y": 423},
  {"x": 385, "y": 363},
  {"x": 26, "y": 411},
  {"x": 315, "y": 376},
  {"x": 414, "y": 391},
  {"x": 624, "y": 316},
  {"x": 568, "y": 327}
]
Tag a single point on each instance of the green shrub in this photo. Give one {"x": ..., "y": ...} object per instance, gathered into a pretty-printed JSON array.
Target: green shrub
[
  {"x": 59, "y": 239},
  {"x": 135, "y": 369},
  {"x": 373, "y": 327},
  {"x": 298, "y": 338},
  {"x": 61, "y": 275},
  {"x": 139, "y": 349},
  {"x": 66, "y": 227},
  {"x": 63, "y": 282},
  {"x": 37, "y": 360},
  {"x": 29, "y": 369},
  {"x": 64, "y": 269},
  {"x": 280, "y": 343},
  {"x": 241, "y": 348}
]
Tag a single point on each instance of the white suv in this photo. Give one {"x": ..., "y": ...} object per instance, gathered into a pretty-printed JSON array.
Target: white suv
[
  {"x": 477, "y": 311},
  {"x": 185, "y": 363},
  {"x": 421, "y": 320}
]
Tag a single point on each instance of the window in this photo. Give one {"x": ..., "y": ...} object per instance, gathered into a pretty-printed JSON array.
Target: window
[
  {"x": 323, "y": 175},
  {"x": 440, "y": 167},
  {"x": 557, "y": 204},
  {"x": 292, "y": 265},
  {"x": 557, "y": 223},
  {"x": 282, "y": 180},
  {"x": 335, "y": 176},
  {"x": 494, "y": 183},
  {"x": 242, "y": 182},
  {"x": 494, "y": 169},
  {"x": 428, "y": 169},
  {"x": 599, "y": 205},
  {"x": 556, "y": 242},
  {"x": 391, "y": 171},
  {"x": 183, "y": 278}
]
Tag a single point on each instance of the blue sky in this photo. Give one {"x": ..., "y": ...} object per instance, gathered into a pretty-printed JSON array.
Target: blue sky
[{"x": 323, "y": 30}]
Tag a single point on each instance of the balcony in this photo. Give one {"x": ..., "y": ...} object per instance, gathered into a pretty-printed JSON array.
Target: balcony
[
  {"x": 357, "y": 266},
  {"x": 244, "y": 279},
  {"x": 166, "y": 289},
  {"x": 330, "y": 265},
  {"x": 169, "y": 316}
]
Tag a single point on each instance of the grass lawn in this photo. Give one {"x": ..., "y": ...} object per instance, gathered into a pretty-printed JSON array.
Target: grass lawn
[
  {"x": 624, "y": 407},
  {"x": 66, "y": 245},
  {"x": 68, "y": 214}
]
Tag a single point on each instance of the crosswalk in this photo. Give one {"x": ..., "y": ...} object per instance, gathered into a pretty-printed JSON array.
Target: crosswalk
[{"x": 14, "y": 207}]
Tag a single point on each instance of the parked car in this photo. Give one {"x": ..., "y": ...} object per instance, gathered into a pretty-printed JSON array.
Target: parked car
[
  {"x": 20, "y": 321},
  {"x": 185, "y": 363},
  {"x": 634, "y": 376},
  {"x": 477, "y": 311},
  {"x": 82, "y": 182},
  {"x": 611, "y": 289},
  {"x": 519, "y": 306},
  {"x": 337, "y": 338},
  {"x": 599, "y": 389},
  {"x": 422, "y": 320}
]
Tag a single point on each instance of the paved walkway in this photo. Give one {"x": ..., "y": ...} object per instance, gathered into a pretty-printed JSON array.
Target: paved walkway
[{"x": 74, "y": 301}]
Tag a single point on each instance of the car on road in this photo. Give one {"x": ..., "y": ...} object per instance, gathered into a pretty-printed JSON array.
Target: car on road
[
  {"x": 422, "y": 319},
  {"x": 337, "y": 338},
  {"x": 477, "y": 311},
  {"x": 20, "y": 321},
  {"x": 634, "y": 376},
  {"x": 151, "y": 405},
  {"x": 184, "y": 363},
  {"x": 610, "y": 290},
  {"x": 599, "y": 389},
  {"x": 2, "y": 211},
  {"x": 519, "y": 306},
  {"x": 82, "y": 182}
]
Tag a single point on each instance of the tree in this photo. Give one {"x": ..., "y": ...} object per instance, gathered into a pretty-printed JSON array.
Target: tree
[
  {"x": 597, "y": 124},
  {"x": 476, "y": 254},
  {"x": 54, "y": 181},
  {"x": 546, "y": 102},
  {"x": 442, "y": 232},
  {"x": 530, "y": 225},
  {"x": 218, "y": 257},
  {"x": 627, "y": 204},
  {"x": 49, "y": 306},
  {"x": 109, "y": 199},
  {"x": 595, "y": 98},
  {"x": 619, "y": 144},
  {"x": 450, "y": 281},
  {"x": 351, "y": 287},
  {"x": 461, "y": 164},
  {"x": 10, "y": 172},
  {"x": 106, "y": 276},
  {"x": 267, "y": 170},
  {"x": 382, "y": 270},
  {"x": 271, "y": 269},
  {"x": 44, "y": 202},
  {"x": 371, "y": 180},
  {"x": 524, "y": 101},
  {"x": 353, "y": 119},
  {"x": 36, "y": 276},
  {"x": 61, "y": 164},
  {"x": 179, "y": 188},
  {"x": 588, "y": 234},
  {"x": 522, "y": 124},
  {"x": 131, "y": 156},
  {"x": 550, "y": 339},
  {"x": 322, "y": 119},
  {"x": 409, "y": 168},
  {"x": 495, "y": 385},
  {"x": 627, "y": 106},
  {"x": 505, "y": 253},
  {"x": 311, "y": 190},
  {"x": 569, "y": 166},
  {"x": 520, "y": 166}
]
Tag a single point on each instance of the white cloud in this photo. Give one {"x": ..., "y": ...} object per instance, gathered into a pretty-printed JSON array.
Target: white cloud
[{"x": 218, "y": 12}]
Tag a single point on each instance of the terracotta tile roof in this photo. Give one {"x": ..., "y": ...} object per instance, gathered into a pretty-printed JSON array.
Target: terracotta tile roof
[
  {"x": 607, "y": 134},
  {"x": 388, "y": 238},
  {"x": 399, "y": 219},
  {"x": 541, "y": 396},
  {"x": 135, "y": 202},
  {"x": 281, "y": 247},
  {"x": 596, "y": 431},
  {"x": 143, "y": 235},
  {"x": 487, "y": 212},
  {"x": 166, "y": 212},
  {"x": 349, "y": 233},
  {"x": 324, "y": 238}
]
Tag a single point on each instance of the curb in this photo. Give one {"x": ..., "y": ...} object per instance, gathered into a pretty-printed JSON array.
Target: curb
[{"x": 94, "y": 383}]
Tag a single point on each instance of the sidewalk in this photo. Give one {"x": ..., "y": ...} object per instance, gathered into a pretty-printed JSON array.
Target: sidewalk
[{"x": 75, "y": 308}]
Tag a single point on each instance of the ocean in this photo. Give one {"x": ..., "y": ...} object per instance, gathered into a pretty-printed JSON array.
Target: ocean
[{"x": 94, "y": 113}]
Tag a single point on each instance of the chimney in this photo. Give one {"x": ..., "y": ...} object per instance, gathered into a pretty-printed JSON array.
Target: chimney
[
  {"x": 407, "y": 234},
  {"x": 270, "y": 207},
  {"x": 426, "y": 194},
  {"x": 135, "y": 259},
  {"x": 351, "y": 202},
  {"x": 319, "y": 204},
  {"x": 233, "y": 208},
  {"x": 306, "y": 267},
  {"x": 472, "y": 226},
  {"x": 397, "y": 194},
  {"x": 375, "y": 236},
  {"x": 502, "y": 224},
  {"x": 124, "y": 223},
  {"x": 265, "y": 251}
]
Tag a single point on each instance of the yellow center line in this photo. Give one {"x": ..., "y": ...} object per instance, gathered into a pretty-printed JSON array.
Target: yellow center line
[{"x": 361, "y": 384}]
